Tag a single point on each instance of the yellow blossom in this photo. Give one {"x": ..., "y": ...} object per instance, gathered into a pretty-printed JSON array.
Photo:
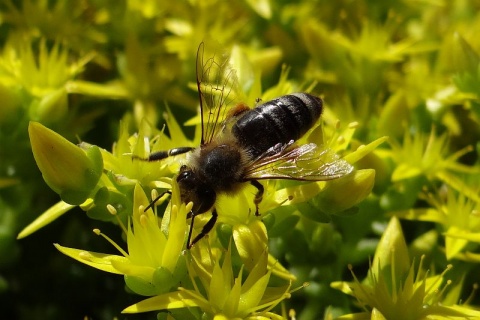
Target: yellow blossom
[{"x": 154, "y": 262}]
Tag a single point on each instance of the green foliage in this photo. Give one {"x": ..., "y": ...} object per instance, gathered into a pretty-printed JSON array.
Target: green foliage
[{"x": 120, "y": 77}]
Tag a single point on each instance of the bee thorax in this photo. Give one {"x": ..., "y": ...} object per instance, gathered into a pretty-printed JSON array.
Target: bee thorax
[{"x": 221, "y": 166}]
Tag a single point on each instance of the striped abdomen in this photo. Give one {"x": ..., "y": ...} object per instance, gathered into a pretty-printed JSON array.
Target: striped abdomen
[{"x": 277, "y": 121}]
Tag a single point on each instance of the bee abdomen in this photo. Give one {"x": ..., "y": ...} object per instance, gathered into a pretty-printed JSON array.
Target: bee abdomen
[{"x": 277, "y": 121}]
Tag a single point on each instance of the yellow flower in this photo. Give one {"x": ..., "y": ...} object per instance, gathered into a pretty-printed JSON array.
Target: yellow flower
[
  {"x": 92, "y": 177},
  {"x": 44, "y": 73},
  {"x": 154, "y": 262},
  {"x": 421, "y": 155},
  {"x": 457, "y": 214},
  {"x": 393, "y": 290},
  {"x": 223, "y": 296}
]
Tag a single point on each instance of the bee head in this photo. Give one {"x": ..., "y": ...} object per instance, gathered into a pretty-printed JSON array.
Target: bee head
[{"x": 193, "y": 189}]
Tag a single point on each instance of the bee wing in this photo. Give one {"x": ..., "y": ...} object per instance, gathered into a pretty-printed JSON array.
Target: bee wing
[
  {"x": 216, "y": 84},
  {"x": 306, "y": 162}
]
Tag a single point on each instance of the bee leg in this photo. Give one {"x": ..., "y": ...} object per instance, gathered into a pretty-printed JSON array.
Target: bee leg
[
  {"x": 151, "y": 204},
  {"x": 206, "y": 228},
  {"x": 159, "y": 155},
  {"x": 258, "y": 195}
]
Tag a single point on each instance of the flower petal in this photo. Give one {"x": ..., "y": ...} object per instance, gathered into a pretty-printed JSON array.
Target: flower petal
[
  {"x": 362, "y": 151},
  {"x": 252, "y": 296},
  {"x": 127, "y": 268},
  {"x": 54, "y": 212},
  {"x": 97, "y": 260},
  {"x": 171, "y": 300},
  {"x": 251, "y": 241}
]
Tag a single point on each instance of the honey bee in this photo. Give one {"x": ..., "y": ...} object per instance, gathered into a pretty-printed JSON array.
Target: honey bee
[{"x": 240, "y": 145}]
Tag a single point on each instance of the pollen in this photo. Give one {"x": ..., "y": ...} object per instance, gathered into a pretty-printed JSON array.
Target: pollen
[
  {"x": 111, "y": 209},
  {"x": 292, "y": 314},
  {"x": 353, "y": 125},
  {"x": 143, "y": 220}
]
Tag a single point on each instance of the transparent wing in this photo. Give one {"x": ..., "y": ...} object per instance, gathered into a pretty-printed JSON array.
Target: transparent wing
[
  {"x": 217, "y": 84},
  {"x": 306, "y": 162}
]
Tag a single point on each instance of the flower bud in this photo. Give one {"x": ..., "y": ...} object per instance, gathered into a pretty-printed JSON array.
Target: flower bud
[
  {"x": 70, "y": 171},
  {"x": 344, "y": 193},
  {"x": 251, "y": 241},
  {"x": 391, "y": 244}
]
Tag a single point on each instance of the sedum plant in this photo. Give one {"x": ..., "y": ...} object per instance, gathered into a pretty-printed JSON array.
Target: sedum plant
[
  {"x": 152, "y": 266},
  {"x": 395, "y": 290},
  {"x": 87, "y": 87}
]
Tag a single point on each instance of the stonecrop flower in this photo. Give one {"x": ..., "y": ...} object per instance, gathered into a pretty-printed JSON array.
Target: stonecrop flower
[
  {"x": 421, "y": 155},
  {"x": 41, "y": 80},
  {"x": 153, "y": 262},
  {"x": 228, "y": 274},
  {"x": 220, "y": 294},
  {"x": 456, "y": 214},
  {"x": 92, "y": 177},
  {"x": 393, "y": 290}
]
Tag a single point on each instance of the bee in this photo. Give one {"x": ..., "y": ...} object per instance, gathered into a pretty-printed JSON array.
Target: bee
[{"x": 240, "y": 145}]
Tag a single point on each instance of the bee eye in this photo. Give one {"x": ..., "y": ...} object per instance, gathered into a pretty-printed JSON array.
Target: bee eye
[
  {"x": 184, "y": 175},
  {"x": 183, "y": 168}
]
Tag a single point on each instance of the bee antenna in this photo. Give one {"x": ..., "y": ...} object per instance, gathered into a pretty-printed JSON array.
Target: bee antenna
[{"x": 151, "y": 204}]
